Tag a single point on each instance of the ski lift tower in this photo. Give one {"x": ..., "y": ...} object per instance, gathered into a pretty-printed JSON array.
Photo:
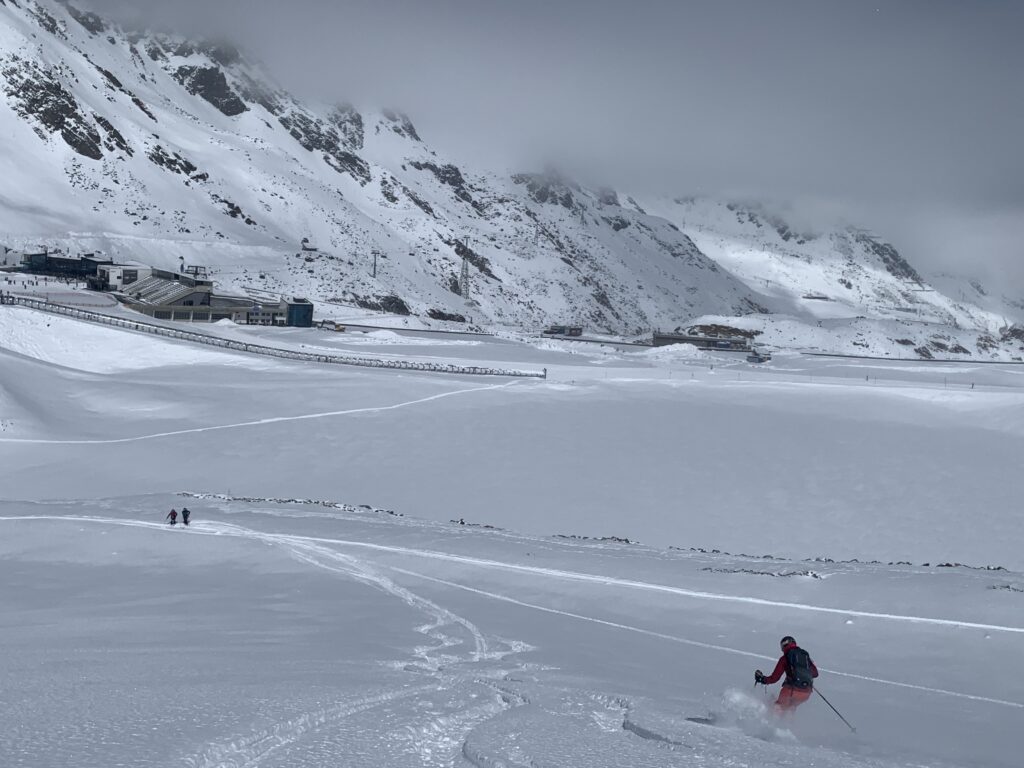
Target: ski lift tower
[{"x": 198, "y": 272}]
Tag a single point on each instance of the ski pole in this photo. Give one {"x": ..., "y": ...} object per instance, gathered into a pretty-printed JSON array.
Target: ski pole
[{"x": 835, "y": 710}]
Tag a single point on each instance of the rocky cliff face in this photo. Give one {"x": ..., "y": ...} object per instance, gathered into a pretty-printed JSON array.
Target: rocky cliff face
[{"x": 152, "y": 147}]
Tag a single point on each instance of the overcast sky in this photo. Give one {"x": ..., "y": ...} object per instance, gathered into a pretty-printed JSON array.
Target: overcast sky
[{"x": 908, "y": 115}]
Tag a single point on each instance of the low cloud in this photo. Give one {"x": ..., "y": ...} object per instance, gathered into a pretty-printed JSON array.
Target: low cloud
[{"x": 908, "y": 114}]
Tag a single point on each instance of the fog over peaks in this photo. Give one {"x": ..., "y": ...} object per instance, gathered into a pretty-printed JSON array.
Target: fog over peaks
[{"x": 905, "y": 115}]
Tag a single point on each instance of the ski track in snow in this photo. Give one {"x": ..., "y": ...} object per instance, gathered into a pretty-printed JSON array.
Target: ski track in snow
[
  {"x": 250, "y": 751},
  {"x": 309, "y": 549},
  {"x": 630, "y": 583},
  {"x": 680, "y": 591},
  {"x": 327, "y": 559},
  {"x": 438, "y": 736},
  {"x": 698, "y": 644},
  {"x": 445, "y": 736},
  {"x": 208, "y": 529},
  {"x": 258, "y": 422}
]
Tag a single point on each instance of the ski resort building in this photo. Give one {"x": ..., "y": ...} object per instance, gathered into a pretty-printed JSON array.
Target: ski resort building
[
  {"x": 299, "y": 312},
  {"x": 59, "y": 264},
  {"x": 563, "y": 330},
  {"x": 166, "y": 295},
  {"x": 292, "y": 311},
  {"x": 185, "y": 296},
  {"x": 116, "y": 277},
  {"x": 735, "y": 343},
  {"x": 189, "y": 297}
]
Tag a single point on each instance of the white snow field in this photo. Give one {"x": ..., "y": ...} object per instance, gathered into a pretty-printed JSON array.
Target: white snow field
[{"x": 373, "y": 629}]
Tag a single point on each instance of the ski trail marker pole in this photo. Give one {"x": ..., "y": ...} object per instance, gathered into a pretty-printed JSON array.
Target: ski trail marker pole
[{"x": 835, "y": 710}]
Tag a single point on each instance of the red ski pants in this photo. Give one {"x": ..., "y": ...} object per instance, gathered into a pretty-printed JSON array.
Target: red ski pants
[{"x": 790, "y": 698}]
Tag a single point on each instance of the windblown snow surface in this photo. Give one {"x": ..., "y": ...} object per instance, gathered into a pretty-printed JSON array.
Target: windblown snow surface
[{"x": 395, "y": 569}]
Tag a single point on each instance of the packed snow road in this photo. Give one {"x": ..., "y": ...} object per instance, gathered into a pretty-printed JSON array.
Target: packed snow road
[{"x": 296, "y": 634}]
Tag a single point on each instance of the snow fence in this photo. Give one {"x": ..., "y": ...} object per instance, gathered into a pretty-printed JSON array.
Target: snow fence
[{"x": 260, "y": 349}]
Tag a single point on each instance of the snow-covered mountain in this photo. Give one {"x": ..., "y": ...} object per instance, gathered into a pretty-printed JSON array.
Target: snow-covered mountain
[
  {"x": 158, "y": 148},
  {"x": 152, "y": 147},
  {"x": 857, "y": 293}
]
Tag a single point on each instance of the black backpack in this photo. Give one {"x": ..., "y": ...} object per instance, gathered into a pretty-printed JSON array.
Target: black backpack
[{"x": 798, "y": 668}]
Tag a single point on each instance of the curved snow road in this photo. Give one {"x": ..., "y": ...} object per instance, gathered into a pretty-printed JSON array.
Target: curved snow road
[{"x": 257, "y": 422}]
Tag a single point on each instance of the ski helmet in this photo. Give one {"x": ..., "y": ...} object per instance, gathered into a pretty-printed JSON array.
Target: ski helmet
[{"x": 787, "y": 640}]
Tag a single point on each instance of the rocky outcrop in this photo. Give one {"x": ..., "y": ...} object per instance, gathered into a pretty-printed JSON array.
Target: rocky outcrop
[
  {"x": 419, "y": 202},
  {"x": 257, "y": 93},
  {"x": 894, "y": 263},
  {"x": 232, "y": 210},
  {"x": 440, "y": 314},
  {"x": 222, "y": 53},
  {"x": 401, "y": 124},
  {"x": 387, "y": 189},
  {"x": 349, "y": 123},
  {"x": 1013, "y": 333},
  {"x": 114, "y": 141},
  {"x": 171, "y": 161},
  {"x": 210, "y": 84},
  {"x": 39, "y": 96},
  {"x": 759, "y": 218},
  {"x": 318, "y": 136},
  {"x": 112, "y": 81},
  {"x": 617, "y": 223},
  {"x": 145, "y": 110},
  {"x": 92, "y": 23},
  {"x": 155, "y": 52},
  {"x": 451, "y": 176},
  {"x": 463, "y": 251},
  {"x": 546, "y": 188},
  {"x": 390, "y": 304},
  {"x": 46, "y": 20}
]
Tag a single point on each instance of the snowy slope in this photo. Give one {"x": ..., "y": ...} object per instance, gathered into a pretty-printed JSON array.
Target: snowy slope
[
  {"x": 274, "y": 633},
  {"x": 847, "y": 281},
  {"x": 645, "y": 445},
  {"x": 376, "y": 629}
]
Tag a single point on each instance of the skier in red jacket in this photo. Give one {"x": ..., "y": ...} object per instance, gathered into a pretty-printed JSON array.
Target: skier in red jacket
[{"x": 800, "y": 672}]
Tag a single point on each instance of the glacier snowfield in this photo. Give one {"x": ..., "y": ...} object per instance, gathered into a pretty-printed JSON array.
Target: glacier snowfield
[{"x": 327, "y": 607}]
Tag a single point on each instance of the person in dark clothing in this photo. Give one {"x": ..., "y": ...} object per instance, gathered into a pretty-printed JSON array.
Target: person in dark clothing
[
  {"x": 185, "y": 515},
  {"x": 172, "y": 516},
  {"x": 796, "y": 664}
]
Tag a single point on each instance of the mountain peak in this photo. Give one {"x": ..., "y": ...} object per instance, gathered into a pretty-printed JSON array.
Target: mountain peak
[{"x": 401, "y": 124}]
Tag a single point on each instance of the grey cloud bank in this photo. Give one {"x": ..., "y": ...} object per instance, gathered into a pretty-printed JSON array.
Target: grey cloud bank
[{"x": 907, "y": 115}]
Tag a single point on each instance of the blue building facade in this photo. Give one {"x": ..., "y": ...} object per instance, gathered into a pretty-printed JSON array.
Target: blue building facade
[{"x": 299, "y": 313}]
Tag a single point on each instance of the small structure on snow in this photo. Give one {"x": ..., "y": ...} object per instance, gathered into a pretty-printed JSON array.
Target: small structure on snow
[
  {"x": 732, "y": 343},
  {"x": 563, "y": 330}
]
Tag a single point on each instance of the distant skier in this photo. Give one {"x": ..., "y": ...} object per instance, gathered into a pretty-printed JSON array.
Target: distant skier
[
  {"x": 185, "y": 515},
  {"x": 172, "y": 516},
  {"x": 800, "y": 672}
]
